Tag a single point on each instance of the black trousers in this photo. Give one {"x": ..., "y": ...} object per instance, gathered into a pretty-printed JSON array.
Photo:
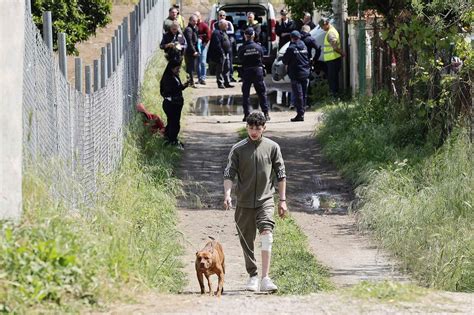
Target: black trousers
[
  {"x": 173, "y": 110},
  {"x": 254, "y": 76},
  {"x": 334, "y": 66}
]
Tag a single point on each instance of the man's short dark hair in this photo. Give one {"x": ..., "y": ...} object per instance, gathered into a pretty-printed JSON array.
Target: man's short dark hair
[{"x": 256, "y": 118}]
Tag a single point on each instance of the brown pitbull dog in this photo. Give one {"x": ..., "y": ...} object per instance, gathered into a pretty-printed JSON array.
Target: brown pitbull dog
[{"x": 210, "y": 261}]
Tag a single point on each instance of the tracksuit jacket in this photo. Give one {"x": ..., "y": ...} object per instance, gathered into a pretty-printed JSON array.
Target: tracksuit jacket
[{"x": 254, "y": 162}]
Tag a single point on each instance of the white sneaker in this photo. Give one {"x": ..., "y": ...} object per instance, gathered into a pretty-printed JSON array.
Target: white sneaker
[
  {"x": 252, "y": 284},
  {"x": 267, "y": 285}
]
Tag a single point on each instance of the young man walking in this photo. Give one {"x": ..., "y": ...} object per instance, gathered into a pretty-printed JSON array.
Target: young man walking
[{"x": 253, "y": 160}]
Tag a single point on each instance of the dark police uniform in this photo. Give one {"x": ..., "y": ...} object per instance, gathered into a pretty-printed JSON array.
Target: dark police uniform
[
  {"x": 251, "y": 56},
  {"x": 297, "y": 60}
]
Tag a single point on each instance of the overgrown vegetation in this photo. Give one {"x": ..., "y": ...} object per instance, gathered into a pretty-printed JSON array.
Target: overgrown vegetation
[
  {"x": 63, "y": 259},
  {"x": 79, "y": 19},
  {"x": 410, "y": 148},
  {"x": 416, "y": 198},
  {"x": 294, "y": 268}
]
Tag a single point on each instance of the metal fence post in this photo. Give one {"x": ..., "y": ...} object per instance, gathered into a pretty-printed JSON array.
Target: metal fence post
[
  {"x": 109, "y": 60},
  {"x": 96, "y": 75},
  {"x": 62, "y": 54},
  {"x": 48, "y": 30},
  {"x": 87, "y": 77},
  {"x": 78, "y": 74},
  {"x": 103, "y": 67}
]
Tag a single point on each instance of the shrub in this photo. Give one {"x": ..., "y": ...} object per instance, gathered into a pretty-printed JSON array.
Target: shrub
[{"x": 79, "y": 19}]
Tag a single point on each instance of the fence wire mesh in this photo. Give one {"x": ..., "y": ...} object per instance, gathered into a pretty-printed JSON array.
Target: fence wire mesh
[{"x": 74, "y": 138}]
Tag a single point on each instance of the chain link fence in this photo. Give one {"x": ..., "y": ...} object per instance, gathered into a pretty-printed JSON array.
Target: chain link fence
[{"x": 74, "y": 138}]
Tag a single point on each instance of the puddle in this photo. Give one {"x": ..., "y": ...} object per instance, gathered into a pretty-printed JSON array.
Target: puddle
[
  {"x": 232, "y": 104},
  {"x": 326, "y": 202}
]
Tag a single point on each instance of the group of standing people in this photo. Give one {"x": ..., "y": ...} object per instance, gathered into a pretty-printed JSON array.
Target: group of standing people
[{"x": 299, "y": 56}]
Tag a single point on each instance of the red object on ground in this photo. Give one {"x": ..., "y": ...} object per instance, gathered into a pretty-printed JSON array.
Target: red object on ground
[{"x": 154, "y": 121}]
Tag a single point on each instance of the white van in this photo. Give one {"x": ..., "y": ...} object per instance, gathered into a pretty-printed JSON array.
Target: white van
[{"x": 236, "y": 12}]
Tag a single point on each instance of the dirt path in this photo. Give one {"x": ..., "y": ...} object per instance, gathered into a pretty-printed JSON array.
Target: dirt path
[{"x": 331, "y": 231}]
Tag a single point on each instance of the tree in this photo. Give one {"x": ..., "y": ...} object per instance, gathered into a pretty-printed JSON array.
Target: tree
[
  {"x": 298, "y": 7},
  {"x": 79, "y": 19}
]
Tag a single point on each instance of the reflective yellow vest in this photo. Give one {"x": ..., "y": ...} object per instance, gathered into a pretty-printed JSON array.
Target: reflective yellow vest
[{"x": 328, "y": 51}]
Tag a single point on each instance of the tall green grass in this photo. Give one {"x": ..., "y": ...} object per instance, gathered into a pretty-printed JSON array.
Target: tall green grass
[
  {"x": 417, "y": 198},
  {"x": 64, "y": 259},
  {"x": 424, "y": 214}
]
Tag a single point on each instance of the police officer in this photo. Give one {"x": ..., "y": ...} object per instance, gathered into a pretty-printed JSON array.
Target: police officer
[
  {"x": 297, "y": 61},
  {"x": 251, "y": 56}
]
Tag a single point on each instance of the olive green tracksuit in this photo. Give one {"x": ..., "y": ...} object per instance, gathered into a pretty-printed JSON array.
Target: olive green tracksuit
[{"x": 254, "y": 162}]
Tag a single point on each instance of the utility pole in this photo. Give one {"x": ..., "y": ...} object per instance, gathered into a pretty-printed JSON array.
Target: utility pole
[
  {"x": 12, "y": 46},
  {"x": 339, "y": 7}
]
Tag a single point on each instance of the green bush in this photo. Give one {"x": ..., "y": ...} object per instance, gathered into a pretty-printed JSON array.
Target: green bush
[{"x": 79, "y": 19}]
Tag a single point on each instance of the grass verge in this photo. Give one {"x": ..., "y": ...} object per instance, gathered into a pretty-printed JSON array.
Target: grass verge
[
  {"x": 64, "y": 260},
  {"x": 387, "y": 291},
  {"x": 294, "y": 268},
  {"x": 416, "y": 198}
]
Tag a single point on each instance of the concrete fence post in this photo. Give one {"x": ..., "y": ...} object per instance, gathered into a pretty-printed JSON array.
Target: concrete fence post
[
  {"x": 78, "y": 74},
  {"x": 62, "y": 54},
  {"x": 125, "y": 33},
  {"x": 119, "y": 42},
  {"x": 103, "y": 67},
  {"x": 96, "y": 75},
  {"x": 132, "y": 26},
  {"x": 87, "y": 77},
  {"x": 12, "y": 44},
  {"x": 48, "y": 30},
  {"x": 114, "y": 53},
  {"x": 109, "y": 60}
]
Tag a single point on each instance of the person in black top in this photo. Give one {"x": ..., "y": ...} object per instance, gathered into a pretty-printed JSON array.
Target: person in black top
[
  {"x": 251, "y": 56},
  {"x": 297, "y": 61},
  {"x": 192, "y": 52},
  {"x": 173, "y": 43},
  {"x": 220, "y": 53},
  {"x": 283, "y": 28},
  {"x": 171, "y": 89}
]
